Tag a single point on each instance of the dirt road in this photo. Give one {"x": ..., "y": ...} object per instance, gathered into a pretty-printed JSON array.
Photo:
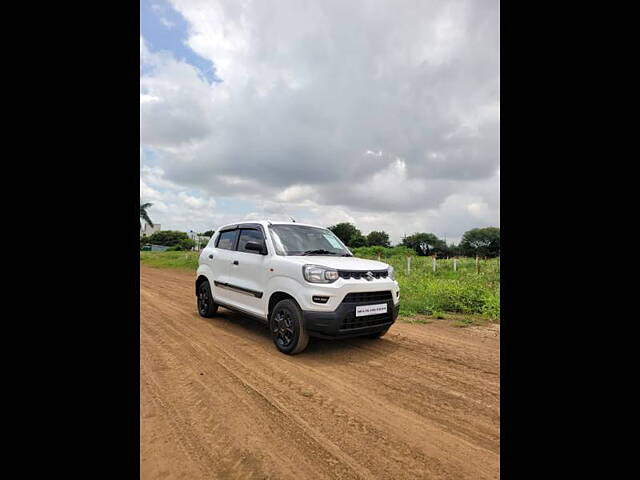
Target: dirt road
[{"x": 218, "y": 401}]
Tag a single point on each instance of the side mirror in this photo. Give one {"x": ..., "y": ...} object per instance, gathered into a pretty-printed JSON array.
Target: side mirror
[{"x": 255, "y": 247}]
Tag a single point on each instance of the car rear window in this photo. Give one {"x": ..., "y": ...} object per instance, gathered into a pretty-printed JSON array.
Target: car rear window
[{"x": 227, "y": 240}]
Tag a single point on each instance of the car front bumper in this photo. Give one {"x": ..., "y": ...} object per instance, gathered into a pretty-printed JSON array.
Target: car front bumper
[{"x": 342, "y": 322}]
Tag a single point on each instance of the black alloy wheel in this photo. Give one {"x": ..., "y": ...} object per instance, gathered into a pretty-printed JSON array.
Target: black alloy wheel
[
  {"x": 287, "y": 329},
  {"x": 206, "y": 305},
  {"x": 283, "y": 328}
]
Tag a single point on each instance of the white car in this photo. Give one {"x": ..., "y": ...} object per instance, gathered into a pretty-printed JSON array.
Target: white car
[{"x": 299, "y": 279}]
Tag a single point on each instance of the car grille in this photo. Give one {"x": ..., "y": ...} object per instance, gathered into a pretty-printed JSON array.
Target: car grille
[
  {"x": 361, "y": 274},
  {"x": 363, "y": 297},
  {"x": 352, "y": 321}
]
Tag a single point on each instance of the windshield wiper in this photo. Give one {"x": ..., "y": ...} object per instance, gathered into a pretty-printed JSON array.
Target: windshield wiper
[
  {"x": 346, "y": 255},
  {"x": 318, "y": 252}
]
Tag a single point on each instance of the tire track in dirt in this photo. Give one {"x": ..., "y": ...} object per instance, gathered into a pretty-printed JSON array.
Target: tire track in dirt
[
  {"x": 423, "y": 402},
  {"x": 351, "y": 421},
  {"x": 286, "y": 395},
  {"x": 264, "y": 406}
]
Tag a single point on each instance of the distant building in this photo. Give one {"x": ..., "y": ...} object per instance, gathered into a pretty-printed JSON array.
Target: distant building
[
  {"x": 149, "y": 230},
  {"x": 154, "y": 248},
  {"x": 201, "y": 240}
]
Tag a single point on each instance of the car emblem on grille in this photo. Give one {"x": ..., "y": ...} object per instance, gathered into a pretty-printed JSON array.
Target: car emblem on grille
[{"x": 369, "y": 276}]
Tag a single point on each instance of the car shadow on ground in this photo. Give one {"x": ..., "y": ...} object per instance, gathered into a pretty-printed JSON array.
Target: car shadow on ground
[{"x": 258, "y": 331}]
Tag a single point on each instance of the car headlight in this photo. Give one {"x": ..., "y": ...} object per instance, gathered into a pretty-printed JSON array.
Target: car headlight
[
  {"x": 319, "y": 274},
  {"x": 391, "y": 273}
]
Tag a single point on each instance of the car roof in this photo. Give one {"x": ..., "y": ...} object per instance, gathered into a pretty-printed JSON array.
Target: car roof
[{"x": 264, "y": 223}]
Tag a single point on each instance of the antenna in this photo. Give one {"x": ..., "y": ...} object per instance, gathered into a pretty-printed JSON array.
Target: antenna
[{"x": 292, "y": 219}]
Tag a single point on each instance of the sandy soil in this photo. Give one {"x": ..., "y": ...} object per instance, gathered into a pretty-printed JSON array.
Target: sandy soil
[{"x": 218, "y": 401}]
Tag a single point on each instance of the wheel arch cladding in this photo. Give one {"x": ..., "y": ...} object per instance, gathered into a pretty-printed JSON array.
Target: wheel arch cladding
[
  {"x": 199, "y": 281},
  {"x": 277, "y": 297}
]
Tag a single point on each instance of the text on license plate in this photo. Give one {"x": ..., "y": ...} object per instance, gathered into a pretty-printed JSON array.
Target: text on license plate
[{"x": 363, "y": 310}]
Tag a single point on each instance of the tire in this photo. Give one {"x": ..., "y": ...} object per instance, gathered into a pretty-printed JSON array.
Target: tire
[
  {"x": 378, "y": 334},
  {"x": 206, "y": 306},
  {"x": 287, "y": 328}
]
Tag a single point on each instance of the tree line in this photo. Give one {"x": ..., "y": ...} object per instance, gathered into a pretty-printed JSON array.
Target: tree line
[
  {"x": 173, "y": 239},
  {"x": 482, "y": 242}
]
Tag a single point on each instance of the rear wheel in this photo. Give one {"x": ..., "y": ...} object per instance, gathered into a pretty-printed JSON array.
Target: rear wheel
[
  {"x": 206, "y": 306},
  {"x": 287, "y": 329}
]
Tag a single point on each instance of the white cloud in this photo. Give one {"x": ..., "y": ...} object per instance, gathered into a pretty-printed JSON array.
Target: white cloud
[
  {"x": 295, "y": 193},
  {"x": 383, "y": 115},
  {"x": 146, "y": 98}
]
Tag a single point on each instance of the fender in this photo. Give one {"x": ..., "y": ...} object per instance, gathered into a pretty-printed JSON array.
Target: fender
[
  {"x": 205, "y": 270},
  {"x": 285, "y": 284}
]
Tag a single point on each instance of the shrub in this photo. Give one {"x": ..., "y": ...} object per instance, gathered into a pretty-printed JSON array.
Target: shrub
[
  {"x": 385, "y": 252},
  {"x": 169, "y": 238},
  {"x": 184, "y": 244}
]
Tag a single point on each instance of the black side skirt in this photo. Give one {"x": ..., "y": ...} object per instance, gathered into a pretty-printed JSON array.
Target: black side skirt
[
  {"x": 242, "y": 311},
  {"x": 235, "y": 288}
]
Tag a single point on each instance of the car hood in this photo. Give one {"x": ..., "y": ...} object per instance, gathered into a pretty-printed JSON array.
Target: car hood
[{"x": 340, "y": 263}]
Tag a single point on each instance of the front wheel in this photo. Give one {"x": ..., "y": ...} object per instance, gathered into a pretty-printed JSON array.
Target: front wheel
[
  {"x": 287, "y": 329},
  {"x": 206, "y": 306}
]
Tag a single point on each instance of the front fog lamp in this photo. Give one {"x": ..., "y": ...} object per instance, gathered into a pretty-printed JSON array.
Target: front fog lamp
[
  {"x": 318, "y": 274},
  {"x": 391, "y": 273}
]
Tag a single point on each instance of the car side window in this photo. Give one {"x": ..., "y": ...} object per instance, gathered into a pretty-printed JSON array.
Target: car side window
[
  {"x": 227, "y": 240},
  {"x": 247, "y": 235}
]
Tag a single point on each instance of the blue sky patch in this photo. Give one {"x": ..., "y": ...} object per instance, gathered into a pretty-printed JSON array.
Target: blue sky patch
[
  {"x": 165, "y": 29},
  {"x": 150, "y": 156}
]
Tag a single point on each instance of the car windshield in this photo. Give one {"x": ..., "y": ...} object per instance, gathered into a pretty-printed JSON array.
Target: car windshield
[{"x": 303, "y": 240}]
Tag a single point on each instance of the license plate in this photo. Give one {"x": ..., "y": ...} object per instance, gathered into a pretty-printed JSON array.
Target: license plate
[{"x": 364, "y": 310}]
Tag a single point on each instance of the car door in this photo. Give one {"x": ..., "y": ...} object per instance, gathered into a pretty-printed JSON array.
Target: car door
[
  {"x": 248, "y": 273},
  {"x": 221, "y": 263}
]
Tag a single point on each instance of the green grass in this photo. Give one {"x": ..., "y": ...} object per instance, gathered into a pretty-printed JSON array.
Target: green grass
[
  {"x": 186, "y": 260},
  {"x": 422, "y": 292},
  {"x": 463, "y": 291}
]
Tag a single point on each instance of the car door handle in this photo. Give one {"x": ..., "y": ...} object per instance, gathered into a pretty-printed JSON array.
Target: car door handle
[{"x": 235, "y": 262}]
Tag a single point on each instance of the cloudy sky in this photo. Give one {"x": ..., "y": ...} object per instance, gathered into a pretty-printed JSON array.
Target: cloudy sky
[{"x": 381, "y": 113}]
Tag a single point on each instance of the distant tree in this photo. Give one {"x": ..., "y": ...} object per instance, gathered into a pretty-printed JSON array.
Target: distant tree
[
  {"x": 425, "y": 244},
  {"x": 378, "y": 238},
  {"x": 209, "y": 233},
  {"x": 484, "y": 242},
  {"x": 348, "y": 233},
  {"x": 144, "y": 215},
  {"x": 168, "y": 238},
  {"x": 184, "y": 244},
  {"x": 454, "y": 250},
  {"x": 358, "y": 240}
]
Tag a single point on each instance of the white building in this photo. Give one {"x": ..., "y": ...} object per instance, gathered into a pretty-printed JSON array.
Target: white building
[
  {"x": 201, "y": 240},
  {"x": 149, "y": 230}
]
